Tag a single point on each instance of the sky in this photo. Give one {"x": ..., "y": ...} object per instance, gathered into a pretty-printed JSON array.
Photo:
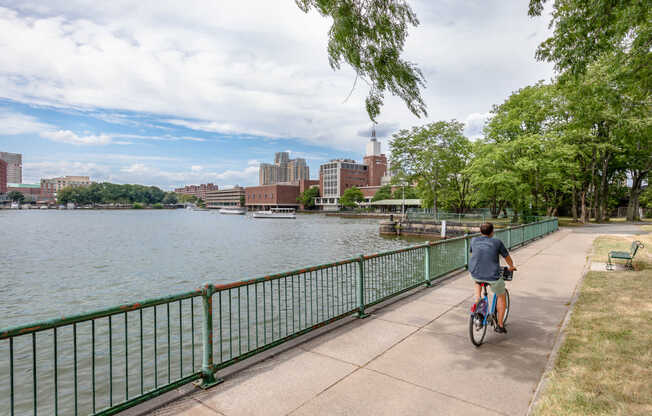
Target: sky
[{"x": 169, "y": 93}]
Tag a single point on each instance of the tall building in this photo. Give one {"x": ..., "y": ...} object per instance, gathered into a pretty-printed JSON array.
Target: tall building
[
  {"x": 198, "y": 191},
  {"x": 338, "y": 175},
  {"x": 376, "y": 161},
  {"x": 14, "y": 166},
  {"x": 3, "y": 177},
  {"x": 284, "y": 170},
  {"x": 49, "y": 187}
]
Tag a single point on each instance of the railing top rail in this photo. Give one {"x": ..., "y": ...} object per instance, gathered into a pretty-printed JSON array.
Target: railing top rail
[
  {"x": 102, "y": 313},
  {"x": 276, "y": 276}
]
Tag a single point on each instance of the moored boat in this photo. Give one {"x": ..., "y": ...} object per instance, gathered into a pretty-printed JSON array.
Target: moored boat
[{"x": 281, "y": 213}]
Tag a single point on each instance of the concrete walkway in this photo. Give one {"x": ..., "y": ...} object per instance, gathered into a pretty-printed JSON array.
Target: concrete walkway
[{"x": 414, "y": 357}]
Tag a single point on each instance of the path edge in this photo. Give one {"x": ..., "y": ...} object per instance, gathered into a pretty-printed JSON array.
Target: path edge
[{"x": 561, "y": 338}]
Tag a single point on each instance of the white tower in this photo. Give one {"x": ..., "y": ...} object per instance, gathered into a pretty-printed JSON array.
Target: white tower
[{"x": 373, "y": 147}]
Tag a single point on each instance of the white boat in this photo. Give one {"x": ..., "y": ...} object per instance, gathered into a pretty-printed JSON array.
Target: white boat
[
  {"x": 233, "y": 210},
  {"x": 284, "y": 213},
  {"x": 15, "y": 205}
]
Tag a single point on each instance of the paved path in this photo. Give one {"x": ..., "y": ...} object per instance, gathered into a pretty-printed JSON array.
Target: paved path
[{"x": 413, "y": 357}]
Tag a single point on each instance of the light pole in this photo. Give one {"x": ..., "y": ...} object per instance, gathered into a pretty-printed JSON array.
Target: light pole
[{"x": 403, "y": 204}]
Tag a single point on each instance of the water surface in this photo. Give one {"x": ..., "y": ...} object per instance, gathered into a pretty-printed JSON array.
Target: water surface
[{"x": 57, "y": 263}]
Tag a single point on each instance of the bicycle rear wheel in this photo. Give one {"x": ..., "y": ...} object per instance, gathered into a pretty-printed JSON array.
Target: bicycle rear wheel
[
  {"x": 506, "y": 307},
  {"x": 477, "y": 330}
]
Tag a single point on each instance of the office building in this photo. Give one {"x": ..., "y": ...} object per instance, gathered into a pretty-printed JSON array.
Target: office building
[
  {"x": 335, "y": 177},
  {"x": 338, "y": 175},
  {"x": 231, "y": 197},
  {"x": 3, "y": 177},
  {"x": 14, "y": 166},
  {"x": 50, "y": 187},
  {"x": 198, "y": 191},
  {"x": 283, "y": 170}
]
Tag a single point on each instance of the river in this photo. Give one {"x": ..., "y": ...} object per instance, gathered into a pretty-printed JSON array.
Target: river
[{"x": 57, "y": 263}]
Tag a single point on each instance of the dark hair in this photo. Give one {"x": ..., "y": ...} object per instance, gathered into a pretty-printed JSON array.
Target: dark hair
[{"x": 487, "y": 228}]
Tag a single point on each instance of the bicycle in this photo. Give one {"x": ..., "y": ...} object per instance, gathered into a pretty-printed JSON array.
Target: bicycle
[{"x": 481, "y": 317}]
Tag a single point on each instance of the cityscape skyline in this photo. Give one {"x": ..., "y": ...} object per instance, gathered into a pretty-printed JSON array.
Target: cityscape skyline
[{"x": 88, "y": 92}]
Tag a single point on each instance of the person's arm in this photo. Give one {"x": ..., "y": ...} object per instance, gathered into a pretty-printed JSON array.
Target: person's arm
[
  {"x": 508, "y": 258},
  {"x": 510, "y": 263}
]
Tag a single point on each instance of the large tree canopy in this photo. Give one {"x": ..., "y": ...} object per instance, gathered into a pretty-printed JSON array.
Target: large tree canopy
[
  {"x": 370, "y": 35},
  {"x": 585, "y": 31}
]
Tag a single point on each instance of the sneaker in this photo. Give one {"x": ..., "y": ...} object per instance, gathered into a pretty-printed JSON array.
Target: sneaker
[{"x": 500, "y": 329}]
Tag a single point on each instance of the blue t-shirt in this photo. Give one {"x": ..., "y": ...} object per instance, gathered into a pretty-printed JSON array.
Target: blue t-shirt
[{"x": 484, "y": 263}]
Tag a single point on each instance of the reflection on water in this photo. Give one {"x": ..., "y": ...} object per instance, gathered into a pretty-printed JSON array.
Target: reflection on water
[{"x": 57, "y": 263}]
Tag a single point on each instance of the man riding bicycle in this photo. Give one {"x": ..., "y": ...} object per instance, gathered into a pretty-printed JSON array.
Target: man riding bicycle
[{"x": 484, "y": 266}]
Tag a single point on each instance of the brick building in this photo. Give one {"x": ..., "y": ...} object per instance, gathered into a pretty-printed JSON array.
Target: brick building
[
  {"x": 3, "y": 177},
  {"x": 267, "y": 196},
  {"x": 338, "y": 175},
  {"x": 32, "y": 192},
  {"x": 198, "y": 191}
]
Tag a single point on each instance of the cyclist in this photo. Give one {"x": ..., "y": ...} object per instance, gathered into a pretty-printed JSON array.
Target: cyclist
[{"x": 484, "y": 266}]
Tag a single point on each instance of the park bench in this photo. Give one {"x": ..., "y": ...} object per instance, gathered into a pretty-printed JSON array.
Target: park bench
[{"x": 625, "y": 255}]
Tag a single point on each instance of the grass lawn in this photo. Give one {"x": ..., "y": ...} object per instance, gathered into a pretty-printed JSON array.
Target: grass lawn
[
  {"x": 604, "y": 366},
  {"x": 568, "y": 221}
]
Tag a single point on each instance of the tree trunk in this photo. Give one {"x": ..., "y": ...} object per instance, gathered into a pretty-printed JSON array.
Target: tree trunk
[
  {"x": 574, "y": 204},
  {"x": 604, "y": 192},
  {"x": 583, "y": 214},
  {"x": 633, "y": 213}
]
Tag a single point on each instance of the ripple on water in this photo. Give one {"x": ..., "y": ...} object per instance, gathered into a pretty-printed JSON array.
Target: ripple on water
[{"x": 62, "y": 263}]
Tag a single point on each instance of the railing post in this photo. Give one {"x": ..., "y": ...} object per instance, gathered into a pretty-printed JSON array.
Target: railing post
[
  {"x": 361, "y": 313},
  {"x": 207, "y": 374},
  {"x": 509, "y": 237},
  {"x": 427, "y": 264},
  {"x": 466, "y": 251}
]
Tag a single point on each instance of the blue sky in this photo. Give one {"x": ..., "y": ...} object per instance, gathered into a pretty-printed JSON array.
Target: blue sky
[{"x": 173, "y": 93}]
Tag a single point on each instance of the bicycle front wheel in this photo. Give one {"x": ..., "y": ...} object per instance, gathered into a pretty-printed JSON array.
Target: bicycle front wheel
[
  {"x": 477, "y": 330},
  {"x": 506, "y": 307}
]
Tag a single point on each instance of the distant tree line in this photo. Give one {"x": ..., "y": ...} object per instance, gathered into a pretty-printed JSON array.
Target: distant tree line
[{"x": 110, "y": 193}]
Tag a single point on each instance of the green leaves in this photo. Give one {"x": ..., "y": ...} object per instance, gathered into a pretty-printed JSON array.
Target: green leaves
[
  {"x": 370, "y": 35},
  {"x": 586, "y": 31},
  {"x": 307, "y": 197},
  {"x": 351, "y": 197}
]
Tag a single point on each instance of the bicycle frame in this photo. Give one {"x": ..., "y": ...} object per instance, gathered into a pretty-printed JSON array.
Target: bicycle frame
[{"x": 492, "y": 310}]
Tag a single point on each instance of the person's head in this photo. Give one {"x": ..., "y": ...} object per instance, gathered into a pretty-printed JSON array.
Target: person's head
[{"x": 487, "y": 229}]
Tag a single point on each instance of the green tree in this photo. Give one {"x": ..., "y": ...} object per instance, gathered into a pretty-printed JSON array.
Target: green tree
[
  {"x": 351, "y": 197},
  {"x": 307, "y": 197},
  {"x": 424, "y": 155},
  {"x": 170, "y": 198},
  {"x": 586, "y": 31},
  {"x": 384, "y": 192},
  {"x": 370, "y": 35},
  {"x": 410, "y": 193},
  {"x": 16, "y": 196}
]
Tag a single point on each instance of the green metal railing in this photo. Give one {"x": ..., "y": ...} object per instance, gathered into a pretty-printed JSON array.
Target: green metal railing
[{"x": 106, "y": 361}]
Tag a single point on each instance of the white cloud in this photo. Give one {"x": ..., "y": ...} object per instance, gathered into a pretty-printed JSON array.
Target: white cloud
[
  {"x": 474, "y": 123},
  {"x": 67, "y": 136},
  {"x": 259, "y": 68},
  {"x": 196, "y": 168},
  {"x": 16, "y": 123}
]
